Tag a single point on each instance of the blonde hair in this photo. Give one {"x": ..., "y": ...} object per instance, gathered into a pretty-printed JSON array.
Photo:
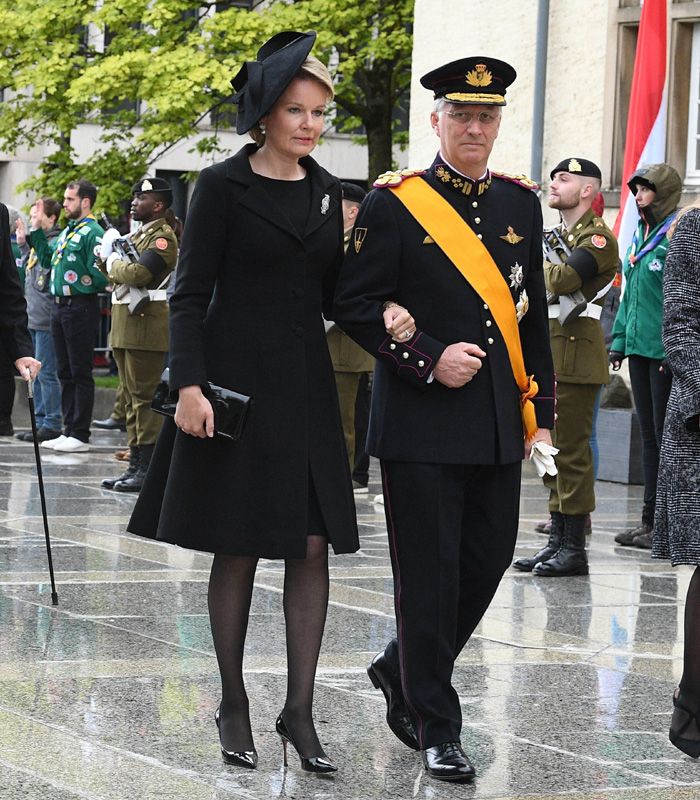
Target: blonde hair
[
  {"x": 311, "y": 70},
  {"x": 681, "y": 213}
]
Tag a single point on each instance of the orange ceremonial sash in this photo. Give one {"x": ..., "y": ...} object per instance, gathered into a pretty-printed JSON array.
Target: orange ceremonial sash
[{"x": 468, "y": 254}]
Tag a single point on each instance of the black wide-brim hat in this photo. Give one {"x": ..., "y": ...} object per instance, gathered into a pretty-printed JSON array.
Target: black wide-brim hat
[
  {"x": 477, "y": 80},
  {"x": 577, "y": 166},
  {"x": 260, "y": 84}
]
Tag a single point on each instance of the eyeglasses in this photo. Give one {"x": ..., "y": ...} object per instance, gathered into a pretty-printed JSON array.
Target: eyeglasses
[{"x": 484, "y": 118}]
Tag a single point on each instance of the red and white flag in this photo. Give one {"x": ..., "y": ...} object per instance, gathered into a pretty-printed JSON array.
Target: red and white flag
[{"x": 646, "y": 123}]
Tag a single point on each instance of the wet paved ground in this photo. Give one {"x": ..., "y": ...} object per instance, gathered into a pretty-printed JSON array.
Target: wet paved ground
[{"x": 566, "y": 688}]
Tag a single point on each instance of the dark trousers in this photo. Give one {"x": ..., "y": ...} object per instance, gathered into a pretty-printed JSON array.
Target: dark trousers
[
  {"x": 452, "y": 532},
  {"x": 651, "y": 389},
  {"x": 7, "y": 383},
  {"x": 74, "y": 327},
  {"x": 360, "y": 469}
]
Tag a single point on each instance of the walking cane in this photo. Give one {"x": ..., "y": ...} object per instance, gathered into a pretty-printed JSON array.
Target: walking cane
[{"x": 30, "y": 398}]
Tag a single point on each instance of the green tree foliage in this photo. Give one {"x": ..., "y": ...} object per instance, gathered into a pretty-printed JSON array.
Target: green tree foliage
[{"x": 59, "y": 69}]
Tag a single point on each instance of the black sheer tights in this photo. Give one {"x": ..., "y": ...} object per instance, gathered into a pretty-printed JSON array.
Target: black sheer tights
[
  {"x": 305, "y": 604},
  {"x": 690, "y": 682}
]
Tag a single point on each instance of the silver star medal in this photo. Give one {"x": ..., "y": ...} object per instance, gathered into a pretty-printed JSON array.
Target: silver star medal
[
  {"x": 516, "y": 276},
  {"x": 325, "y": 203},
  {"x": 522, "y": 305}
]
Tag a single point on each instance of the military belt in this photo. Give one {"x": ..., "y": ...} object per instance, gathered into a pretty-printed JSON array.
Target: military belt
[
  {"x": 591, "y": 310},
  {"x": 154, "y": 295}
]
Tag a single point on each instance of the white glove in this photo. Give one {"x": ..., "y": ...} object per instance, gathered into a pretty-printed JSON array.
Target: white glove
[
  {"x": 111, "y": 258},
  {"x": 542, "y": 456},
  {"x": 108, "y": 238}
]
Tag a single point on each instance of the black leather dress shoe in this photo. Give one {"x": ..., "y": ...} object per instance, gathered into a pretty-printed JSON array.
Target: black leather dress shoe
[
  {"x": 109, "y": 424},
  {"x": 397, "y": 716},
  {"x": 448, "y": 762}
]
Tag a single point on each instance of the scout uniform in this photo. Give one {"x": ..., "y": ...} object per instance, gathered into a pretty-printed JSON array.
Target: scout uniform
[
  {"x": 589, "y": 262},
  {"x": 139, "y": 341},
  {"x": 451, "y": 458}
]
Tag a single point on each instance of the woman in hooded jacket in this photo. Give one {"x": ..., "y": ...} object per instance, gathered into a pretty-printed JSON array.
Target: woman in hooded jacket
[{"x": 636, "y": 332}]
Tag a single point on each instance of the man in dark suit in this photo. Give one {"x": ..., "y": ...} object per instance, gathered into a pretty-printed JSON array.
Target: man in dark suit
[
  {"x": 14, "y": 335},
  {"x": 451, "y": 394}
]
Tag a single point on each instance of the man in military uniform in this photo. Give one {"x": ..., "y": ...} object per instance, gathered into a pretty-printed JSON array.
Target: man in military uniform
[
  {"x": 459, "y": 247},
  {"x": 586, "y": 252},
  {"x": 350, "y": 361},
  {"x": 139, "y": 334},
  {"x": 75, "y": 284}
]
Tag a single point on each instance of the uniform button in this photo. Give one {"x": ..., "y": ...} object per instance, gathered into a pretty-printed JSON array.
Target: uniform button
[
  {"x": 474, "y": 204},
  {"x": 392, "y": 346},
  {"x": 299, "y": 331},
  {"x": 488, "y": 323},
  {"x": 572, "y": 338},
  {"x": 421, "y": 363},
  {"x": 570, "y": 237},
  {"x": 486, "y": 306},
  {"x": 404, "y": 354},
  {"x": 477, "y": 220},
  {"x": 490, "y": 340},
  {"x": 479, "y": 236}
]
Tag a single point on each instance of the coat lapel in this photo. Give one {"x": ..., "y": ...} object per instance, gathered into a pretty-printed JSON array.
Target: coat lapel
[{"x": 323, "y": 203}]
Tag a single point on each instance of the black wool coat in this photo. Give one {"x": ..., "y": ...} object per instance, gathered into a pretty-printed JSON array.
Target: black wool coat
[
  {"x": 15, "y": 340},
  {"x": 391, "y": 257},
  {"x": 246, "y": 314}
]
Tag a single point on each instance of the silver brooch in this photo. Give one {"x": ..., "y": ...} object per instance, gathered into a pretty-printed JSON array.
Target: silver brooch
[
  {"x": 325, "y": 203},
  {"x": 516, "y": 276}
]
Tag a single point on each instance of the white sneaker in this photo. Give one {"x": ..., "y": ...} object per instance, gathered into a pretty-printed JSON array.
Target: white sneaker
[
  {"x": 50, "y": 444},
  {"x": 71, "y": 445}
]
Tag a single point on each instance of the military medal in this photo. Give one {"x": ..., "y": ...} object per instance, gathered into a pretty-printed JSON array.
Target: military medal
[
  {"x": 360, "y": 234},
  {"x": 325, "y": 203},
  {"x": 511, "y": 237},
  {"x": 599, "y": 241},
  {"x": 516, "y": 276},
  {"x": 522, "y": 306}
]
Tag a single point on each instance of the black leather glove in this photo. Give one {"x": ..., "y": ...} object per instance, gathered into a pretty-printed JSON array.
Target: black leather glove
[{"x": 616, "y": 358}]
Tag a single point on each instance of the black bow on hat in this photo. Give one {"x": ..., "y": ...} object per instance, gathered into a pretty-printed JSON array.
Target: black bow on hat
[{"x": 259, "y": 84}]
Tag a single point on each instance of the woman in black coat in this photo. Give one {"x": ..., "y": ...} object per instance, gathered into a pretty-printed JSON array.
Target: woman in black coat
[{"x": 261, "y": 250}]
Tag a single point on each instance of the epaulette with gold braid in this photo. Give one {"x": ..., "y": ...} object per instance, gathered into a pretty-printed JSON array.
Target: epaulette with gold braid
[
  {"x": 520, "y": 180},
  {"x": 394, "y": 178}
]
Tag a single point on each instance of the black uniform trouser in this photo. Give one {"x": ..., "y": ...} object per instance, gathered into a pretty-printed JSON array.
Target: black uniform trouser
[
  {"x": 360, "y": 469},
  {"x": 74, "y": 323},
  {"x": 7, "y": 383},
  {"x": 452, "y": 531}
]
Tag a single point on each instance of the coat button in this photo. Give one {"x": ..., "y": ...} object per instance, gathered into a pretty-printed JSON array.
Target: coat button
[
  {"x": 474, "y": 204},
  {"x": 488, "y": 323},
  {"x": 479, "y": 236},
  {"x": 572, "y": 338},
  {"x": 404, "y": 354},
  {"x": 477, "y": 220},
  {"x": 392, "y": 346},
  {"x": 490, "y": 340},
  {"x": 299, "y": 331},
  {"x": 486, "y": 306},
  {"x": 421, "y": 363}
]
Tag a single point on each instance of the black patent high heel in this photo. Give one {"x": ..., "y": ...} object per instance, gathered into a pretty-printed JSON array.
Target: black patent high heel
[
  {"x": 690, "y": 747},
  {"x": 320, "y": 764},
  {"x": 238, "y": 758}
]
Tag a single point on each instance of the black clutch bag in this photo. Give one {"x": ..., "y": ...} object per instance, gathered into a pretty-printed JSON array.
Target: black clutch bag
[{"x": 231, "y": 409}]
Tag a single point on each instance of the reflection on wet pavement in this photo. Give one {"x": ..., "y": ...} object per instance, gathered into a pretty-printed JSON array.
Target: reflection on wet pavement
[{"x": 566, "y": 686}]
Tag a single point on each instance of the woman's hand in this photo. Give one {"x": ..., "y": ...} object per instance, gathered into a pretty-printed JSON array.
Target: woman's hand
[
  {"x": 194, "y": 414},
  {"x": 399, "y": 324}
]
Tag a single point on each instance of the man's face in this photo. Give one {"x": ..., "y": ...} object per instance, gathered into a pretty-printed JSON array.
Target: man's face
[
  {"x": 146, "y": 206},
  {"x": 644, "y": 196},
  {"x": 73, "y": 205},
  {"x": 34, "y": 217},
  {"x": 565, "y": 191},
  {"x": 467, "y": 134}
]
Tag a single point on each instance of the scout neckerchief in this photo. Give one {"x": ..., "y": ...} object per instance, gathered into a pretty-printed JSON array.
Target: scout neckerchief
[
  {"x": 468, "y": 254},
  {"x": 66, "y": 236},
  {"x": 634, "y": 256}
]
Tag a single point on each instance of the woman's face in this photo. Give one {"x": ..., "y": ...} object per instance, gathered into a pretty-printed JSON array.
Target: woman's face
[{"x": 295, "y": 122}]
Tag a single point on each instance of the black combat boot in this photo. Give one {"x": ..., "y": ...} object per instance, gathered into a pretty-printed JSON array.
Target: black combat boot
[
  {"x": 134, "y": 482},
  {"x": 131, "y": 470},
  {"x": 570, "y": 559},
  {"x": 555, "y": 533}
]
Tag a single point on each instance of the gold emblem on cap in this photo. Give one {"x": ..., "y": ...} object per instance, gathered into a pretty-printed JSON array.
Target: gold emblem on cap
[
  {"x": 146, "y": 186},
  {"x": 574, "y": 166},
  {"x": 479, "y": 76},
  {"x": 360, "y": 234},
  {"x": 511, "y": 237}
]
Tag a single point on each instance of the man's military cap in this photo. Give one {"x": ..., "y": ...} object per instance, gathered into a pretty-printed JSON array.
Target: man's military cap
[
  {"x": 477, "y": 80},
  {"x": 146, "y": 185},
  {"x": 259, "y": 84},
  {"x": 577, "y": 166},
  {"x": 352, "y": 192}
]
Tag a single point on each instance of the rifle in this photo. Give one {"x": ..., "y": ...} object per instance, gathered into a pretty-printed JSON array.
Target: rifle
[
  {"x": 570, "y": 305},
  {"x": 125, "y": 249}
]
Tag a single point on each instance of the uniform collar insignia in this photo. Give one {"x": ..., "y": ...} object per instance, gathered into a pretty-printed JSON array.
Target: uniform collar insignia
[
  {"x": 461, "y": 183},
  {"x": 511, "y": 237}
]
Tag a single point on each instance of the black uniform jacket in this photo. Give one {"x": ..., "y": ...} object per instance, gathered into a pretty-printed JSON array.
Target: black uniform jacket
[
  {"x": 391, "y": 257},
  {"x": 14, "y": 336},
  {"x": 246, "y": 314}
]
